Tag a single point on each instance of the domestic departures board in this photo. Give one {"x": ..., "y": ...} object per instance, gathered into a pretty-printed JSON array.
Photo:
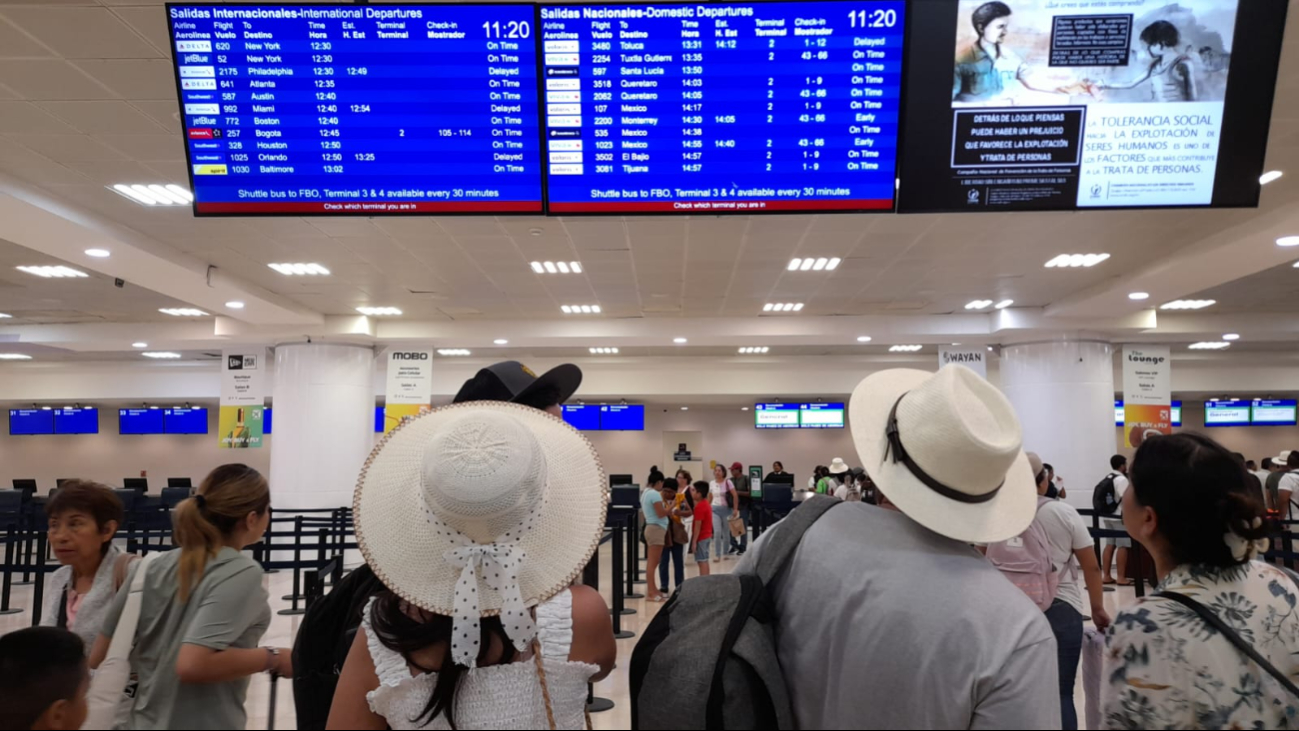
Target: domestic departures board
[
  {"x": 721, "y": 107},
  {"x": 359, "y": 109}
]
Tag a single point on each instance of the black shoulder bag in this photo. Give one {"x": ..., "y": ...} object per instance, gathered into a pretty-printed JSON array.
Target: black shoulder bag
[{"x": 1215, "y": 622}]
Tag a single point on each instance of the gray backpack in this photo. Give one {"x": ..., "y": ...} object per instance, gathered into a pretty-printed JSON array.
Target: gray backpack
[{"x": 708, "y": 658}]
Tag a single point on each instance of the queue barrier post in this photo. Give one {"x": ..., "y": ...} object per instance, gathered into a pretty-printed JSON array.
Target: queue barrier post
[
  {"x": 38, "y": 591},
  {"x": 296, "y": 596},
  {"x": 6, "y": 584},
  {"x": 619, "y": 557},
  {"x": 26, "y": 557},
  {"x": 595, "y": 704}
]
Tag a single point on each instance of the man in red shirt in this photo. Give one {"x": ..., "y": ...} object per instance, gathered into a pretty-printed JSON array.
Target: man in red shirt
[{"x": 703, "y": 527}]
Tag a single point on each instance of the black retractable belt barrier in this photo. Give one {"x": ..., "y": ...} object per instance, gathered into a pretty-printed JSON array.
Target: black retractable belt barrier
[
  {"x": 27, "y": 547},
  {"x": 11, "y": 538},
  {"x": 38, "y": 591},
  {"x": 620, "y": 554},
  {"x": 296, "y": 596}
]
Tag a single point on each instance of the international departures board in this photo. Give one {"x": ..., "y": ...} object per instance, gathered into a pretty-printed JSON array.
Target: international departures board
[
  {"x": 359, "y": 109},
  {"x": 722, "y": 107}
]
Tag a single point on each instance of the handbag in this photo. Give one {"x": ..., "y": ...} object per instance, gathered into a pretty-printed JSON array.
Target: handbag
[
  {"x": 105, "y": 701},
  {"x": 1215, "y": 622},
  {"x": 737, "y": 526},
  {"x": 677, "y": 534}
]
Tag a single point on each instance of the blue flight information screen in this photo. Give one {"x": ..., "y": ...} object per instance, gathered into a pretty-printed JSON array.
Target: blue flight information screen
[
  {"x": 722, "y": 107},
  {"x": 584, "y": 418},
  {"x": 359, "y": 109},
  {"x": 622, "y": 417}
]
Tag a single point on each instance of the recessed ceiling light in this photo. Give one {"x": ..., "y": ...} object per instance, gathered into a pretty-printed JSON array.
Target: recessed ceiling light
[
  {"x": 556, "y": 267},
  {"x": 155, "y": 195},
  {"x": 1288, "y": 241},
  {"x": 783, "y": 307},
  {"x": 53, "y": 272},
  {"x": 99, "y": 253},
  {"x": 756, "y": 350},
  {"x": 1139, "y": 296},
  {"x": 603, "y": 351},
  {"x": 1270, "y": 176},
  {"x": 1075, "y": 261},
  {"x": 1004, "y": 304},
  {"x": 680, "y": 341},
  {"x": 161, "y": 356},
  {"x": 580, "y": 309},
  {"x": 379, "y": 311},
  {"x": 1231, "y": 337},
  {"x": 235, "y": 305},
  {"x": 14, "y": 356},
  {"x": 183, "y": 312},
  {"x": 905, "y": 348},
  {"x": 978, "y": 305},
  {"x": 300, "y": 270},
  {"x": 3, "y": 316},
  {"x": 1213, "y": 345},
  {"x": 685, "y": 408},
  {"x": 1188, "y": 304},
  {"x": 863, "y": 338},
  {"x": 744, "y": 408},
  {"x": 501, "y": 341},
  {"x": 453, "y": 352},
  {"x": 140, "y": 344}
]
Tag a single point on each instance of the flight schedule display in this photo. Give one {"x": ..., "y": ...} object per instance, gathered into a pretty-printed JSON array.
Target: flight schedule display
[
  {"x": 359, "y": 109},
  {"x": 721, "y": 107}
]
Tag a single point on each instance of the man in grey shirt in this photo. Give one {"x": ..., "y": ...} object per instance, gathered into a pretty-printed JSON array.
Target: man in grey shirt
[{"x": 884, "y": 623}]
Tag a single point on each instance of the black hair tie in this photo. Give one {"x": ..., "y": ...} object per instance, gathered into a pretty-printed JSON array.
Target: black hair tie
[{"x": 200, "y": 501}]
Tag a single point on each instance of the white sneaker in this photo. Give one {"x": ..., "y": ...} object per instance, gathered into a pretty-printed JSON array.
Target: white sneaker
[{"x": 716, "y": 560}]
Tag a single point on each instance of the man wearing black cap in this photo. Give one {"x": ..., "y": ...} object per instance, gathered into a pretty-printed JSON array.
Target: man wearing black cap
[{"x": 328, "y": 628}]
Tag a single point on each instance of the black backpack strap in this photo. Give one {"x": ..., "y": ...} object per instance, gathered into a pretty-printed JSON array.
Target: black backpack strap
[
  {"x": 1215, "y": 622},
  {"x": 781, "y": 544},
  {"x": 62, "y": 621}
]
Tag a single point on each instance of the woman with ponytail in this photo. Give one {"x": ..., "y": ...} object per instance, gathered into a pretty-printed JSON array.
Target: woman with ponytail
[
  {"x": 203, "y": 611},
  {"x": 1217, "y": 645}
]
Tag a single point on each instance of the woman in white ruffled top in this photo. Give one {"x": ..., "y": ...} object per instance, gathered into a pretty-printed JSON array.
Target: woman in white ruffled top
[{"x": 482, "y": 627}]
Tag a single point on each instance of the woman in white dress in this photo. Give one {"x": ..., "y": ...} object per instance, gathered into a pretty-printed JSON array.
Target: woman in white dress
[{"x": 478, "y": 518}]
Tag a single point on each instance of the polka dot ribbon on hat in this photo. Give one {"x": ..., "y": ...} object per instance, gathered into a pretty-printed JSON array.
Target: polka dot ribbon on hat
[{"x": 498, "y": 564}]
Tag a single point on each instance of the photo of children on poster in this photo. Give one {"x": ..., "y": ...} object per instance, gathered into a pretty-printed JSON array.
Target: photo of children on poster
[{"x": 1119, "y": 102}]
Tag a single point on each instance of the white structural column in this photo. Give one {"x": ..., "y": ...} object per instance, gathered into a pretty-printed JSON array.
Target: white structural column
[
  {"x": 1063, "y": 392},
  {"x": 324, "y": 423}
]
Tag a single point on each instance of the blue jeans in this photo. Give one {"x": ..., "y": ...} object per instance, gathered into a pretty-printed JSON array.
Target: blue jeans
[
  {"x": 1067, "y": 626},
  {"x": 742, "y": 543},
  {"x": 672, "y": 553},
  {"x": 720, "y": 530}
]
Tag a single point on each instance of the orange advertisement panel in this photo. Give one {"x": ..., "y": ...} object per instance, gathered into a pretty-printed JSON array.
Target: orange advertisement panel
[{"x": 1143, "y": 420}]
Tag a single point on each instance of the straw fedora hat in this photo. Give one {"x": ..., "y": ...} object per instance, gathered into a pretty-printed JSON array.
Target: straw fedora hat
[
  {"x": 837, "y": 467},
  {"x": 946, "y": 449},
  {"x": 481, "y": 509}
]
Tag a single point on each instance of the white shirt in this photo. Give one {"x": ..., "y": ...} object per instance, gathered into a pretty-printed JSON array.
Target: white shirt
[
  {"x": 719, "y": 491},
  {"x": 841, "y": 492},
  {"x": 1066, "y": 532},
  {"x": 1120, "y": 486},
  {"x": 1290, "y": 482}
]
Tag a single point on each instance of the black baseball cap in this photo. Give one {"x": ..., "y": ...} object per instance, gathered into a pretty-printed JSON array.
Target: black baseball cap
[{"x": 513, "y": 381}]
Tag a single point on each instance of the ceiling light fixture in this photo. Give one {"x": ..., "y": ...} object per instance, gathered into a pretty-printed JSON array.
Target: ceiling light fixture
[
  {"x": 161, "y": 356},
  {"x": 979, "y": 305},
  {"x": 140, "y": 345},
  {"x": 819, "y": 264},
  {"x": 300, "y": 270},
  {"x": 905, "y": 348},
  {"x": 783, "y": 307},
  {"x": 453, "y": 352},
  {"x": 603, "y": 351},
  {"x": 99, "y": 253},
  {"x": 1215, "y": 345},
  {"x": 3, "y": 316},
  {"x": 501, "y": 341},
  {"x": 685, "y": 408},
  {"x": 183, "y": 312},
  {"x": 1138, "y": 296},
  {"x": 863, "y": 338},
  {"x": 1231, "y": 337},
  {"x": 379, "y": 311},
  {"x": 235, "y": 305},
  {"x": 1270, "y": 176},
  {"x": 1003, "y": 304},
  {"x": 580, "y": 309},
  {"x": 14, "y": 356},
  {"x": 53, "y": 272},
  {"x": 755, "y": 350},
  {"x": 744, "y": 408},
  {"x": 155, "y": 195},
  {"x": 680, "y": 341},
  {"x": 1188, "y": 304},
  {"x": 1288, "y": 241},
  {"x": 556, "y": 267},
  {"x": 1076, "y": 261}
]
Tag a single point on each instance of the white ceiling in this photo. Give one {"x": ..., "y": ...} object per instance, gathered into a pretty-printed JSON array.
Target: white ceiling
[{"x": 87, "y": 99}]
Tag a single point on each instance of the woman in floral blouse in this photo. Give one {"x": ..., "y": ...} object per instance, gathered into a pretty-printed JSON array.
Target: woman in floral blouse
[{"x": 1191, "y": 507}]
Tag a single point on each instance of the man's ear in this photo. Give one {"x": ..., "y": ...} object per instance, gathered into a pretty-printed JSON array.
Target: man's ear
[{"x": 54, "y": 717}]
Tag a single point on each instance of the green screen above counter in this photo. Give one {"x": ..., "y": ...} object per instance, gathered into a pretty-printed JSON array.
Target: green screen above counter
[
  {"x": 1246, "y": 412},
  {"x": 798, "y": 416},
  {"x": 1177, "y": 413}
]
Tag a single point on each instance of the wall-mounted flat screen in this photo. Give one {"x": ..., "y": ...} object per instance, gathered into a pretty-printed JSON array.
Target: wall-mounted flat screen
[
  {"x": 722, "y": 107},
  {"x": 1274, "y": 412},
  {"x": 76, "y": 421},
  {"x": 185, "y": 421},
  {"x": 29, "y": 422},
  {"x": 821, "y": 416},
  {"x": 1230, "y": 412},
  {"x": 583, "y": 418},
  {"x": 266, "y": 421},
  {"x": 1119, "y": 415},
  {"x": 140, "y": 421},
  {"x": 1029, "y": 105},
  {"x": 776, "y": 416},
  {"x": 353, "y": 109},
  {"x": 622, "y": 417}
]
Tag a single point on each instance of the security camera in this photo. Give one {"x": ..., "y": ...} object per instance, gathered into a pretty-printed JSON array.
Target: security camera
[{"x": 119, "y": 283}]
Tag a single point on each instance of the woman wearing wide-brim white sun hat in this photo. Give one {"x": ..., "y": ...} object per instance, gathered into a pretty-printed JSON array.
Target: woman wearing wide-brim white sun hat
[
  {"x": 946, "y": 449},
  {"x": 478, "y": 518}
]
